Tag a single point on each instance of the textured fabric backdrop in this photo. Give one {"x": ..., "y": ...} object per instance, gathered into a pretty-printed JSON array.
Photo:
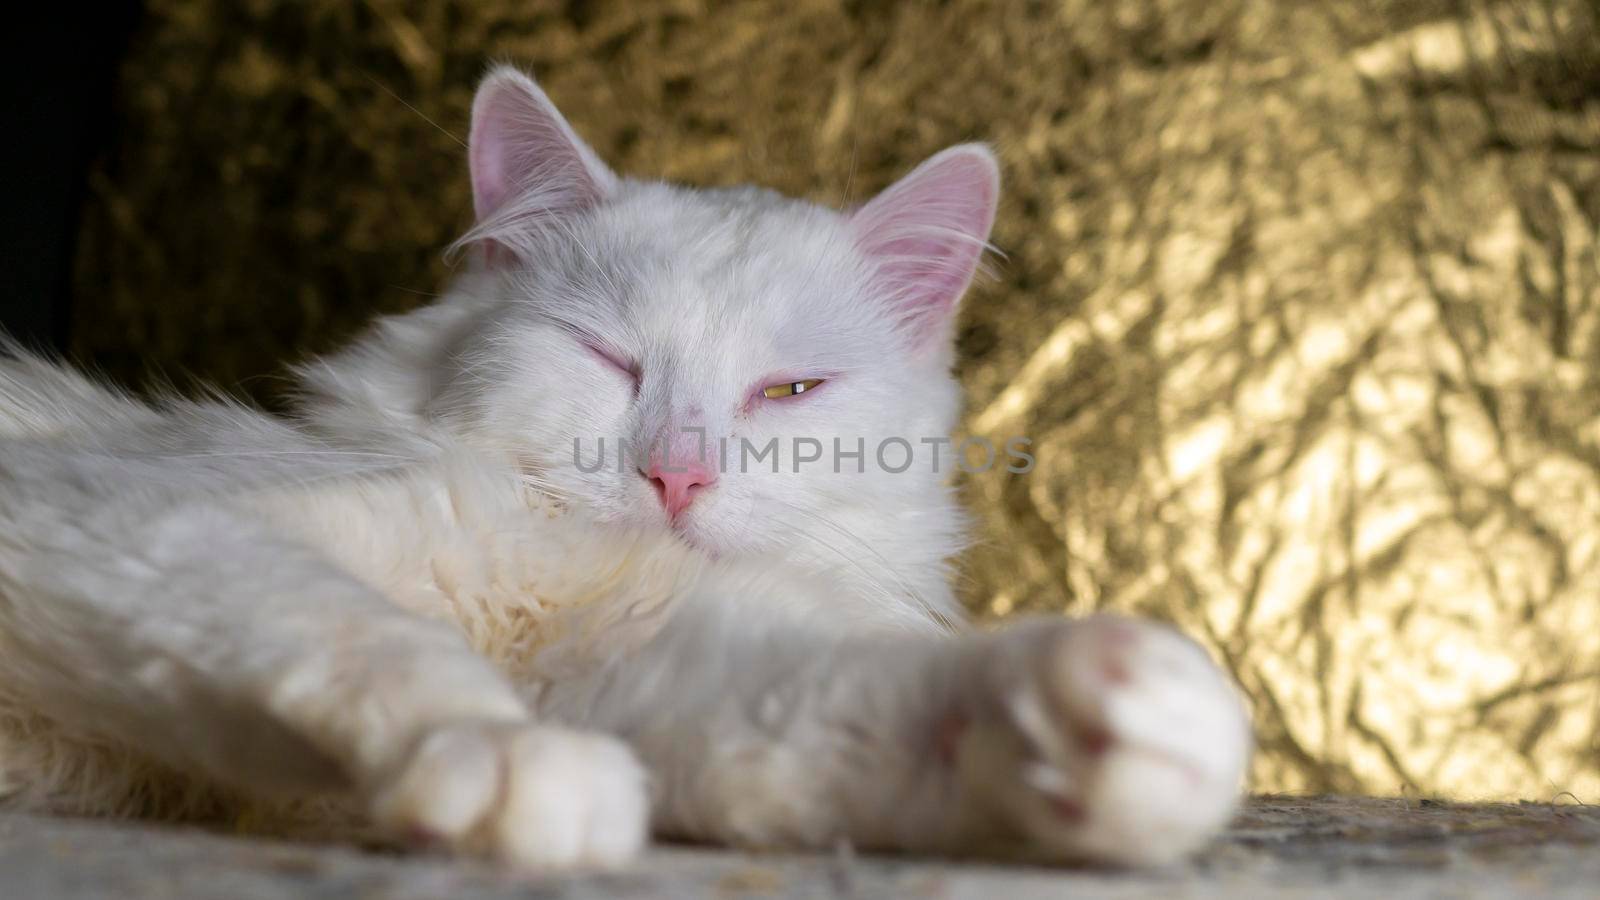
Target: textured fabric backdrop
[{"x": 1300, "y": 302}]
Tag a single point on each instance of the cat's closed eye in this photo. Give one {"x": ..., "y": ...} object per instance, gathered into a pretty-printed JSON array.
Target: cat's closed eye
[
  {"x": 614, "y": 360},
  {"x": 789, "y": 388}
]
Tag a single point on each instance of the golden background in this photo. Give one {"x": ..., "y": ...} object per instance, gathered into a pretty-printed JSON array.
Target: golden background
[{"x": 1300, "y": 301}]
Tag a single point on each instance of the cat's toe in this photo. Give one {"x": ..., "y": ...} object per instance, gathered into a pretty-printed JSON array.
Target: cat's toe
[
  {"x": 571, "y": 799},
  {"x": 533, "y": 797},
  {"x": 1116, "y": 740}
]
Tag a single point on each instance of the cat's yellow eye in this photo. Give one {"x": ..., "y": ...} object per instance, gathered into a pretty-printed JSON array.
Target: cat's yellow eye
[{"x": 779, "y": 391}]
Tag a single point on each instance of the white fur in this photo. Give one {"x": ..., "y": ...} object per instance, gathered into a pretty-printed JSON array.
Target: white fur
[{"x": 393, "y": 609}]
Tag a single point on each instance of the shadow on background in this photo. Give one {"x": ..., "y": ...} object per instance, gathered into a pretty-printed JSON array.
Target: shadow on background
[{"x": 57, "y": 88}]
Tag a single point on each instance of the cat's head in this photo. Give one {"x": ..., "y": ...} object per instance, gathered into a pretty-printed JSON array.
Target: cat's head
[{"x": 645, "y": 315}]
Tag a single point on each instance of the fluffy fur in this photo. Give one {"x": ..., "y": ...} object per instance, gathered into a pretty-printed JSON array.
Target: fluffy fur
[{"x": 409, "y": 608}]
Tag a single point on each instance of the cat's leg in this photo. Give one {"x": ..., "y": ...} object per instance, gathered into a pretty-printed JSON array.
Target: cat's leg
[
  {"x": 1105, "y": 739},
  {"x": 190, "y": 634}
]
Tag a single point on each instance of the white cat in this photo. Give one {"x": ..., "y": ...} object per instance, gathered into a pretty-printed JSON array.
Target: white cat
[{"x": 420, "y": 605}]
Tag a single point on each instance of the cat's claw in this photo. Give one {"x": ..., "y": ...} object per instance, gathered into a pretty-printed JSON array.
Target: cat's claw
[
  {"x": 1106, "y": 740},
  {"x": 534, "y": 797}
]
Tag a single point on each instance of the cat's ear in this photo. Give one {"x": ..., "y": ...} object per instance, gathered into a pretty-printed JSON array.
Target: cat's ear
[
  {"x": 524, "y": 155},
  {"x": 925, "y": 234}
]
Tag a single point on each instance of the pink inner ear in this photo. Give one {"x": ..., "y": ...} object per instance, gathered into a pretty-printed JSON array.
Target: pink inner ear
[
  {"x": 491, "y": 182},
  {"x": 522, "y": 147},
  {"x": 926, "y": 233}
]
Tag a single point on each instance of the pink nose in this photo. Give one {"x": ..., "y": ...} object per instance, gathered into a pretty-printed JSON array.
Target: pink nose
[{"x": 677, "y": 483}]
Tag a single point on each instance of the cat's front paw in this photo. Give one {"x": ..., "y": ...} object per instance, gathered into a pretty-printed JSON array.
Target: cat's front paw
[
  {"x": 1106, "y": 740},
  {"x": 535, "y": 797}
]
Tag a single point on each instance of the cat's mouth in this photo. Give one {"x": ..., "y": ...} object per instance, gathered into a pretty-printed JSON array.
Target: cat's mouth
[{"x": 684, "y": 528}]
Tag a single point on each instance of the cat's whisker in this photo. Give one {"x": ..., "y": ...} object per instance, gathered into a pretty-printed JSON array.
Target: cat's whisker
[
  {"x": 874, "y": 577},
  {"x": 868, "y": 582},
  {"x": 332, "y": 454},
  {"x": 543, "y": 486}
]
